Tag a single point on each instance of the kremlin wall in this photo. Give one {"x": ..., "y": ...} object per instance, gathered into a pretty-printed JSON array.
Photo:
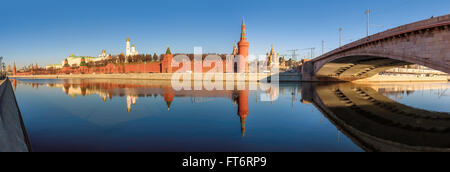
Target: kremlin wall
[{"x": 133, "y": 62}]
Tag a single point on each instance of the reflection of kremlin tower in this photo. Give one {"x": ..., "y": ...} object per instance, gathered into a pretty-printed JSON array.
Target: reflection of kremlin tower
[
  {"x": 168, "y": 95},
  {"x": 243, "y": 50},
  {"x": 66, "y": 88},
  {"x": 166, "y": 62},
  {"x": 14, "y": 84},
  {"x": 243, "y": 110}
]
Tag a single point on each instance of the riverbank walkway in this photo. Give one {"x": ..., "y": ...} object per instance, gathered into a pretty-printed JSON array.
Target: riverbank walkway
[{"x": 13, "y": 135}]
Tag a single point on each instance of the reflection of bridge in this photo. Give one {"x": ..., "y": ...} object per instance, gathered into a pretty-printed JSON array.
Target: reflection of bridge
[
  {"x": 377, "y": 123},
  {"x": 425, "y": 43}
]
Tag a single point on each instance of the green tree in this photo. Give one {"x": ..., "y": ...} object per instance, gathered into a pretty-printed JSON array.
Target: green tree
[
  {"x": 168, "y": 51},
  {"x": 155, "y": 57}
]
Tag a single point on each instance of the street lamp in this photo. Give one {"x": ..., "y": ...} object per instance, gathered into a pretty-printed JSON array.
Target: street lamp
[{"x": 368, "y": 14}]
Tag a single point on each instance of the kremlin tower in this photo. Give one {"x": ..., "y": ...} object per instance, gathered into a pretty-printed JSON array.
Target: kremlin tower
[
  {"x": 166, "y": 62},
  {"x": 243, "y": 51}
]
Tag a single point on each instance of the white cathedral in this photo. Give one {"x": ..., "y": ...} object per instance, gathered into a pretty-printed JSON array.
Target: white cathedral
[{"x": 130, "y": 51}]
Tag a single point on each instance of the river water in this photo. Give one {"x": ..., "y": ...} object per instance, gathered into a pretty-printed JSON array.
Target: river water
[{"x": 138, "y": 115}]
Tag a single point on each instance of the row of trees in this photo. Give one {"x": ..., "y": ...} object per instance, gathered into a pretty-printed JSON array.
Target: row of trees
[
  {"x": 139, "y": 58},
  {"x": 2, "y": 69}
]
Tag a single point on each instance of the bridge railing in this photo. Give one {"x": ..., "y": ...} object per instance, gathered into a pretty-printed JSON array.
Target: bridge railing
[{"x": 416, "y": 26}]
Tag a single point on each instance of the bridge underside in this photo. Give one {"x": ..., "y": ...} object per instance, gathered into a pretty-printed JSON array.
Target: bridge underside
[
  {"x": 356, "y": 67},
  {"x": 377, "y": 123}
]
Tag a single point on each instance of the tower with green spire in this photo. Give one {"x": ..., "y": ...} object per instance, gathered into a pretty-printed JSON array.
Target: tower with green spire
[
  {"x": 83, "y": 62},
  {"x": 168, "y": 51},
  {"x": 166, "y": 64}
]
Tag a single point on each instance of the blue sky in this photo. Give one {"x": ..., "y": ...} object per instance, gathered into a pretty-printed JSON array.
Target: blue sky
[{"x": 48, "y": 31}]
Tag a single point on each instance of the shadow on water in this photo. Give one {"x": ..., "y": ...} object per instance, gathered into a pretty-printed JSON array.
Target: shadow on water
[{"x": 368, "y": 118}]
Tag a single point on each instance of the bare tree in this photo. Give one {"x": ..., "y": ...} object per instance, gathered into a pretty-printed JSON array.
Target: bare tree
[{"x": 2, "y": 68}]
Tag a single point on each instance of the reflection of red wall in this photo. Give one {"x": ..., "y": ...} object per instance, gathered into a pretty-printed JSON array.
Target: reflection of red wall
[
  {"x": 14, "y": 84},
  {"x": 227, "y": 66}
]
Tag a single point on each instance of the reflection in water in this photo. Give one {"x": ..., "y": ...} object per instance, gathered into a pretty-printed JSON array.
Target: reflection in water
[
  {"x": 363, "y": 113},
  {"x": 134, "y": 89},
  {"x": 377, "y": 123}
]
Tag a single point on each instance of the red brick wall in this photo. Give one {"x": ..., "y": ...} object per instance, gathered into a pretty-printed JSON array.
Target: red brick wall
[{"x": 151, "y": 67}]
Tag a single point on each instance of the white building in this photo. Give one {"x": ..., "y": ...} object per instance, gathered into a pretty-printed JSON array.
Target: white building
[
  {"x": 103, "y": 55},
  {"x": 76, "y": 60},
  {"x": 130, "y": 51},
  {"x": 54, "y": 66}
]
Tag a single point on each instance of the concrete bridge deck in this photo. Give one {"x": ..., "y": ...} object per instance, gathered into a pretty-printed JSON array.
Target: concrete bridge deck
[{"x": 426, "y": 43}]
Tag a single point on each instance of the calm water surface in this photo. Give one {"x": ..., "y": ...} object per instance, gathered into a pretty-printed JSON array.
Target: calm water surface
[{"x": 135, "y": 115}]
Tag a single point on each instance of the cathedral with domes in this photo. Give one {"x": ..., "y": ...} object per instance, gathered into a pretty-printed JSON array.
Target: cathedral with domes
[{"x": 130, "y": 51}]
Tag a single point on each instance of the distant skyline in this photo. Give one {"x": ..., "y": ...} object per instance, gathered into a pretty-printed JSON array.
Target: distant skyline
[{"x": 48, "y": 31}]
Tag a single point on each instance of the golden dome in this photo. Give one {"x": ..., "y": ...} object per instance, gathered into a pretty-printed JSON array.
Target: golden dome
[{"x": 128, "y": 39}]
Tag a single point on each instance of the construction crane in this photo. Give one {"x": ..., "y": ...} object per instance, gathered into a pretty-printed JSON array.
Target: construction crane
[
  {"x": 312, "y": 51},
  {"x": 294, "y": 57}
]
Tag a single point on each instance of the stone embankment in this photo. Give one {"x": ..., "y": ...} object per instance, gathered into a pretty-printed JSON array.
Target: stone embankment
[{"x": 13, "y": 136}]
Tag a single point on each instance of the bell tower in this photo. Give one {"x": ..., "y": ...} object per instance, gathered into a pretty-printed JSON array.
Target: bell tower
[{"x": 128, "y": 49}]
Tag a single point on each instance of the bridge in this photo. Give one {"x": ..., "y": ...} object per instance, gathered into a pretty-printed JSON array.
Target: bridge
[
  {"x": 425, "y": 43},
  {"x": 376, "y": 123}
]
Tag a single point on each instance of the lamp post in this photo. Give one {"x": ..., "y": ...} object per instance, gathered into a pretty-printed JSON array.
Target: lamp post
[{"x": 368, "y": 14}]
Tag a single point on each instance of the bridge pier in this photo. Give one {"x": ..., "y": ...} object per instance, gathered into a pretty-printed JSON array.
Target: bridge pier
[{"x": 308, "y": 71}]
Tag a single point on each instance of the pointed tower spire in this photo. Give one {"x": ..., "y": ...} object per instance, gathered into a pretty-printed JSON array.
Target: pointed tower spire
[
  {"x": 235, "y": 50},
  {"x": 243, "y": 120},
  {"x": 168, "y": 50},
  {"x": 271, "y": 50},
  {"x": 243, "y": 34}
]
